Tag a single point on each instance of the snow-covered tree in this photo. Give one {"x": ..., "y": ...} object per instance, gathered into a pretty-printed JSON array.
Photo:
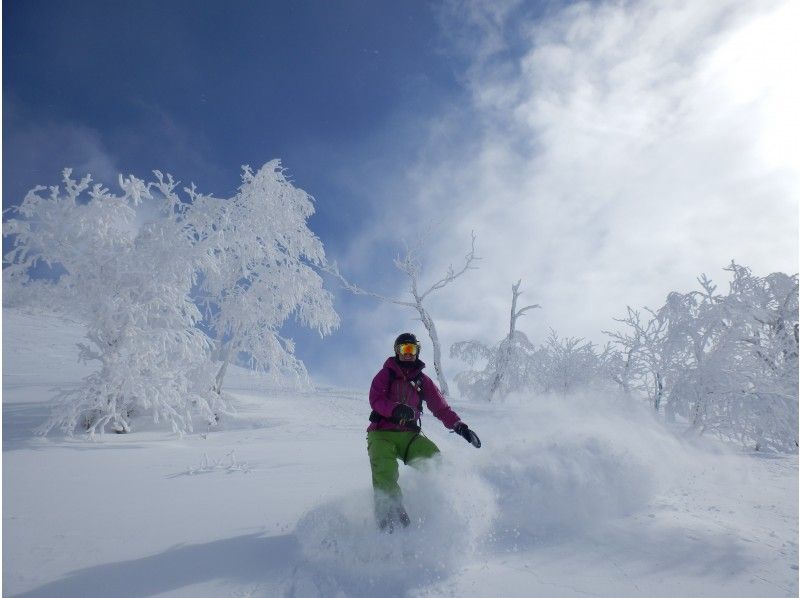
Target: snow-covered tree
[
  {"x": 564, "y": 365},
  {"x": 508, "y": 365},
  {"x": 411, "y": 266},
  {"x": 557, "y": 366},
  {"x": 725, "y": 363},
  {"x": 127, "y": 264},
  {"x": 635, "y": 361},
  {"x": 136, "y": 266},
  {"x": 257, "y": 273}
]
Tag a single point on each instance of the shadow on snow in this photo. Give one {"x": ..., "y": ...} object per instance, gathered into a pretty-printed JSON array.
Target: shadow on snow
[{"x": 252, "y": 558}]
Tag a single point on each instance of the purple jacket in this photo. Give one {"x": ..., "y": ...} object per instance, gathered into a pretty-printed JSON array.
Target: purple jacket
[{"x": 386, "y": 393}]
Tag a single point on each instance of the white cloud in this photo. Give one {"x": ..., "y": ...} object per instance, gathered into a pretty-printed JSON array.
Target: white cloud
[
  {"x": 619, "y": 150},
  {"x": 612, "y": 152}
]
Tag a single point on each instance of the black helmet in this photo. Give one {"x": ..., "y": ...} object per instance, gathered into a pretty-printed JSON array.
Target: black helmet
[{"x": 404, "y": 338}]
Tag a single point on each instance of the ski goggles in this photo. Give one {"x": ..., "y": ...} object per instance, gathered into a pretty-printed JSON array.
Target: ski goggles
[{"x": 407, "y": 349}]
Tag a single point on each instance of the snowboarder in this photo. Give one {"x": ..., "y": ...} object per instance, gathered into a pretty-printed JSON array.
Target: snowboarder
[{"x": 396, "y": 397}]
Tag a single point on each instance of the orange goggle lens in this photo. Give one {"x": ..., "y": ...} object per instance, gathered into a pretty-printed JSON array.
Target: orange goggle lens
[{"x": 407, "y": 349}]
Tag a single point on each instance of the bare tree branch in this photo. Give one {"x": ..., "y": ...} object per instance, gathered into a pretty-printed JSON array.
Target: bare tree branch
[
  {"x": 515, "y": 293},
  {"x": 451, "y": 275},
  {"x": 333, "y": 270}
]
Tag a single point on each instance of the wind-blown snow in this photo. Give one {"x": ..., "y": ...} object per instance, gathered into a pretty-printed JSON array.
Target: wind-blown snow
[{"x": 584, "y": 495}]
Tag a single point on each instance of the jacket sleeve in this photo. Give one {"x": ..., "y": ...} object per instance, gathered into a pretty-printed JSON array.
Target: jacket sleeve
[
  {"x": 437, "y": 403},
  {"x": 379, "y": 394}
]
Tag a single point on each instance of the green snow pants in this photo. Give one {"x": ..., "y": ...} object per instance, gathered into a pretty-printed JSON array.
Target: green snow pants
[{"x": 385, "y": 447}]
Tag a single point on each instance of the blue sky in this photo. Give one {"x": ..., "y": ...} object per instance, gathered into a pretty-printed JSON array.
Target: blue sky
[
  {"x": 200, "y": 88},
  {"x": 606, "y": 153}
]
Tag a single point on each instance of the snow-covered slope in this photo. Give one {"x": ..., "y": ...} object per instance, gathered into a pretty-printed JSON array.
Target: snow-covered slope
[{"x": 582, "y": 497}]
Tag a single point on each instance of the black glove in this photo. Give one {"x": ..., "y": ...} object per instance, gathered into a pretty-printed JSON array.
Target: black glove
[
  {"x": 462, "y": 430},
  {"x": 403, "y": 413}
]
